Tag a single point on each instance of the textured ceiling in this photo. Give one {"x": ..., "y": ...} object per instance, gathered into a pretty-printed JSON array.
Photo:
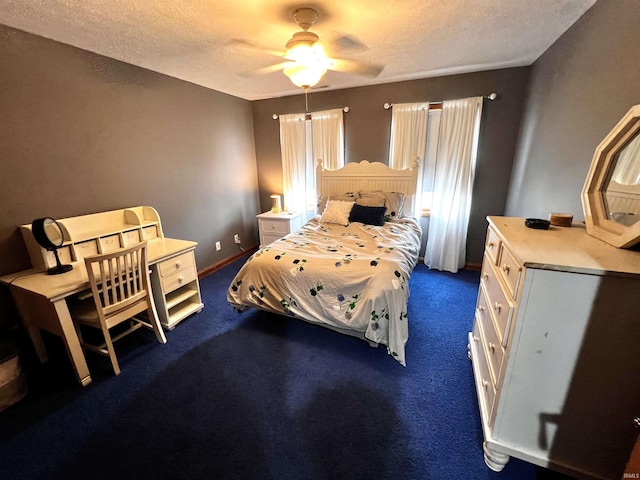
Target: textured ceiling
[{"x": 206, "y": 41}]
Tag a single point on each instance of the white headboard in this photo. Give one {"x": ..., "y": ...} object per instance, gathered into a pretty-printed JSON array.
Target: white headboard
[{"x": 366, "y": 176}]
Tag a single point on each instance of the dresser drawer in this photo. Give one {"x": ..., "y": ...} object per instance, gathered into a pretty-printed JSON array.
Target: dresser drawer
[
  {"x": 178, "y": 279},
  {"x": 510, "y": 270},
  {"x": 274, "y": 227},
  {"x": 498, "y": 302},
  {"x": 176, "y": 264},
  {"x": 493, "y": 345},
  {"x": 486, "y": 388},
  {"x": 492, "y": 245}
]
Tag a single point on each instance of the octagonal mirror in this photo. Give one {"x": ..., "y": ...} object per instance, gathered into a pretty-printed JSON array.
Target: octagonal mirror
[{"x": 611, "y": 193}]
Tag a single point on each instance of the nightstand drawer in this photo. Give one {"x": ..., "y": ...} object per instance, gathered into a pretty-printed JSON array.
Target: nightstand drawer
[
  {"x": 274, "y": 227},
  {"x": 178, "y": 279},
  {"x": 176, "y": 264},
  {"x": 268, "y": 238}
]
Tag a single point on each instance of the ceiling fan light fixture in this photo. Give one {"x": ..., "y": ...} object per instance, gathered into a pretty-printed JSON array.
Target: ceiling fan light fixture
[
  {"x": 304, "y": 76},
  {"x": 310, "y": 63}
]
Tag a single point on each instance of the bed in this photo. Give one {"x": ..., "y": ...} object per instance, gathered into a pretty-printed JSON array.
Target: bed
[{"x": 350, "y": 276}]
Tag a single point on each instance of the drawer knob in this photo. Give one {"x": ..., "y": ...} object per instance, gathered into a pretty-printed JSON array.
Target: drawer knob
[
  {"x": 497, "y": 307},
  {"x": 481, "y": 308},
  {"x": 485, "y": 383},
  {"x": 491, "y": 244},
  {"x": 178, "y": 264},
  {"x": 180, "y": 279},
  {"x": 492, "y": 347},
  {"x": 506, "y": 268},
  {"x": 273, "y": 227},
  {"x": 475, "y": 338},
  {"x": 485, "y": 275}
]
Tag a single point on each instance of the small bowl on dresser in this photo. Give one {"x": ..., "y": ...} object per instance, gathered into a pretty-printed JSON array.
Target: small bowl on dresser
[{"x": 537, "y": 223}]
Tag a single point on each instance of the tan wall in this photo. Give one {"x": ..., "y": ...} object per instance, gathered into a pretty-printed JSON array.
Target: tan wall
[
  {"x": 81, "y": 133},
  {"x": 580, "y": 88}
]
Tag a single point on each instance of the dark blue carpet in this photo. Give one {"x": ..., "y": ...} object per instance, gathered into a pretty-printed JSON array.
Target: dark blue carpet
[{"x": 259, "y": 396}]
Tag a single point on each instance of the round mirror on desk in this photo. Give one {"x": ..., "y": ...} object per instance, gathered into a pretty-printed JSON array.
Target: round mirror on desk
[{"x": 48, "y": 234}]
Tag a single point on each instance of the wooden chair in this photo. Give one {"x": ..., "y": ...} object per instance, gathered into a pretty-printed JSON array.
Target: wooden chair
[{"x": 121, "y": 290}]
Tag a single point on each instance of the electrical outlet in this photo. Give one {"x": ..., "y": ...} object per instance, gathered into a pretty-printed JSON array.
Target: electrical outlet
[
  {"x": 236, "y": 238},
  {"x": 218, "y": 247}
]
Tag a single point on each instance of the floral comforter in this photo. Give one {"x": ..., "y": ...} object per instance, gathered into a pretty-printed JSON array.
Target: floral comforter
[{"x": 354, "y": 278}]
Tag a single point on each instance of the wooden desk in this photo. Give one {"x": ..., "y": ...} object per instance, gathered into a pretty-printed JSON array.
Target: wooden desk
[{"x": 41, "y": 300}]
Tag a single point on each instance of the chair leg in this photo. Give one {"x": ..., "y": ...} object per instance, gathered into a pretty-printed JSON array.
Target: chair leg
[
  {"x": 155, "y": 323},
  {"x": 111, "y": 350}
]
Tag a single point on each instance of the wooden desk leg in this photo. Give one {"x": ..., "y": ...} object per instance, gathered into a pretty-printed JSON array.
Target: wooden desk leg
[
  {"x": 37, "y": 313},
  {"x": 72, "y": 342},
  {"x": 38, "y": 344}
]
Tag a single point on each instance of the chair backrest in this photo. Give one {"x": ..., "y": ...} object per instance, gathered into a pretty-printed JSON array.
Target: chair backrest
[{"x": 119, "y": 279}]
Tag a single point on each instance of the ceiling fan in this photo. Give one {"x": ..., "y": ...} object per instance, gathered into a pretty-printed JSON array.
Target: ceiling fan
[{"x": 305, "y": 55}]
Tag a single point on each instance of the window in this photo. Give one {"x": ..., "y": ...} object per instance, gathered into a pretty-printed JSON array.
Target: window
[
  {"x": 429, "y": 170},
  {"x": 303, "y": 142}
]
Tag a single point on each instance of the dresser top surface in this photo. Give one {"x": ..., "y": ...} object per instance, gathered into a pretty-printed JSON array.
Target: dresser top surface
[{"x": 568, "y": 249}]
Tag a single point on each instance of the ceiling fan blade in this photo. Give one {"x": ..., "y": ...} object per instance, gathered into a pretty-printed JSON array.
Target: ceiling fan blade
[
  {"x": 348, "y": 42},
  {"x": 247, "y": 45},
  {"x": 357, "y": 68},
  {"x": 265, "y": 70}
]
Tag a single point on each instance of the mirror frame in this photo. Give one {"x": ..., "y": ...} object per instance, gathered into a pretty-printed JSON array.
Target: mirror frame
[{"x": 595, "y": 213}]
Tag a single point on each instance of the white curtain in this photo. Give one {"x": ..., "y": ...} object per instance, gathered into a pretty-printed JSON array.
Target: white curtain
[
  {"x": 294, "y": 171},
  {"x": 328, "y": 138},
  {"x": 409, "y": 139},
  {"x": 302, "y": 143},
  {"x": 455, "y": 170}
]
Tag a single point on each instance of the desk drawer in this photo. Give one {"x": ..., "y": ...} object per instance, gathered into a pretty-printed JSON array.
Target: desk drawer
[
  {"x": 130, "y": 238},
  {"x": 85, "y": 249},
  {"x": 110, "y": 243},
  {"x": 178, "y": 279},
  {"x": 150, "y": 232},
  {"x": 274, "y": 227},
  {"x": 176, "y": 264}
]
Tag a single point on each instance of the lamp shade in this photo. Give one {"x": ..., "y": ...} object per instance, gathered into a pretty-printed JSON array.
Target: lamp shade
[{"x": 276, "y": 205}]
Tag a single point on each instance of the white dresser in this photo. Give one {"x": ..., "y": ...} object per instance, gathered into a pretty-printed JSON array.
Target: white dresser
[
  {"x": 555, "y": 349},
  {"x": 273, "y": 226}
]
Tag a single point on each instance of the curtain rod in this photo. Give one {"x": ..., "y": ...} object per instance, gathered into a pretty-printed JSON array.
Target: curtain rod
[
  {"x": 275, "y": 116},
  {"x": 492, "y": 96}
]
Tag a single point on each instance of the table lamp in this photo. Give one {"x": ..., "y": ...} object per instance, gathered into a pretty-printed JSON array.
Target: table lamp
[{"x": 276, "y": 205}]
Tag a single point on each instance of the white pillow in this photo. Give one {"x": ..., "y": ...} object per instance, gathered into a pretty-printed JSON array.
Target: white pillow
[
  {"x": 393, "y": 200},
  {"x": 322, "y": 201},
  {"x": 337, "y": 211}
]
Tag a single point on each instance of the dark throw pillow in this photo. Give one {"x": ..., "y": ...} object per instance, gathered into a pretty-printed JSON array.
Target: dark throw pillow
[{"x": 367, "y": 215}]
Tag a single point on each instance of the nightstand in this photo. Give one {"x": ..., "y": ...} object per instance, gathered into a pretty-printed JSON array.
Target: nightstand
[{"x": 273, "y": 226}]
